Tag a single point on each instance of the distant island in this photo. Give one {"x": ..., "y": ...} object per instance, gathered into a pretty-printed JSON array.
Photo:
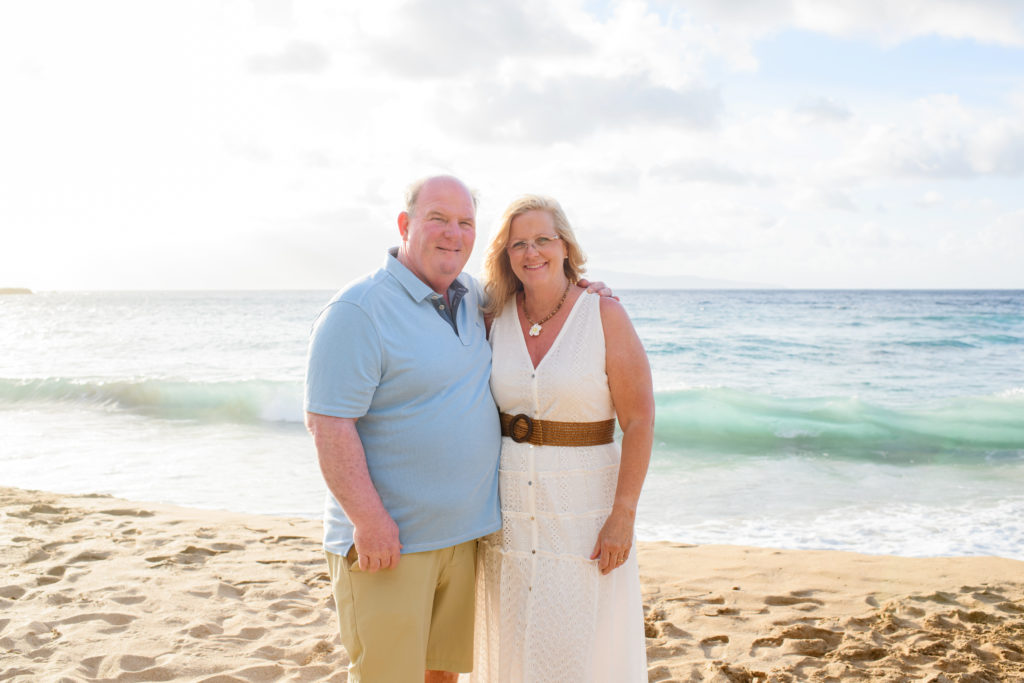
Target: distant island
[{"x": 15, "y": 290}]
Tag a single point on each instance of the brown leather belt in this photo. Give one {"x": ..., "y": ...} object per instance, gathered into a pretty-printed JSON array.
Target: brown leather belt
[{"x": 524, "y": 429}]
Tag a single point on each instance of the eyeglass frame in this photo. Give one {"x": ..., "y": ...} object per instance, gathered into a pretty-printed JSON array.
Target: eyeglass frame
[{"x": 512, "y": 248}]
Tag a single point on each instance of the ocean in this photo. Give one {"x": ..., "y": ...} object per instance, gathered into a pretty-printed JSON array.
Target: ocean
[{"x": 870, "y": 421}]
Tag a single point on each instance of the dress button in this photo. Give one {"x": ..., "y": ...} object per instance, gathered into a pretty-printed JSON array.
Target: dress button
[
  {"x": 534, "y": 552},
  {"x": 441, "y": 306},
  {"x": 529, "y": 483}
]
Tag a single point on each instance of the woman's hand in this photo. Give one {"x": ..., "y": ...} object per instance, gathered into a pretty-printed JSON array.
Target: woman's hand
[{"x": 614, "y": 541}]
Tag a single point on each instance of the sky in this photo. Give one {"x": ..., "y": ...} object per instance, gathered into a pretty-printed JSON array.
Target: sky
[{"x": 266, "y": 144}]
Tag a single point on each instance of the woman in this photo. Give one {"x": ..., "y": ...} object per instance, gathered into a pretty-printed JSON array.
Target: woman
[{"x": 558, "y": 592}]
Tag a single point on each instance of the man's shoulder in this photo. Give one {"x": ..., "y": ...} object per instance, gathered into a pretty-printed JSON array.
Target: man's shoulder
[
  {"x": 363, "y": 291},
  {"x": 358, "y": 295}
]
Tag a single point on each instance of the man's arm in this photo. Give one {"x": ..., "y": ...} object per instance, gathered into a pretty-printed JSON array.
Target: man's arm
[{"x": 343, "y": 464}]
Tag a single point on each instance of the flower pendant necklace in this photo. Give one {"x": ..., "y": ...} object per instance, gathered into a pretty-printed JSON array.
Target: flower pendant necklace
[{"x": 536, "y": 329}]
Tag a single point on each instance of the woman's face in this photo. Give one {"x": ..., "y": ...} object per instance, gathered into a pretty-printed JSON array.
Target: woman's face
[{"x": 535, "y": 250}]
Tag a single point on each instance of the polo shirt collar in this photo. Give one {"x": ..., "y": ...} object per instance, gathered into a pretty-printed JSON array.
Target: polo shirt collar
[{"x": 417, "y": 289}]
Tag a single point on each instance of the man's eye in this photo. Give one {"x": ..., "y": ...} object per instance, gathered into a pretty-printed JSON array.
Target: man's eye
[
  {"x": 436, "y": 218},
  {"x": 467, "y": 225}
]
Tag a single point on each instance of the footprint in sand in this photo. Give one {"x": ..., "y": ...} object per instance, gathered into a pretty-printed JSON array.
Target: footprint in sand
[
  {"x": 940, "y": 597},
  {"x": 977, "y": 617},
  {"x": 38, "y": 556},
  {"x": 12, "y": 592},
  {"x": 800, "y": 639},
  {"x": 317, "y": 578},
  {"x": 89, "y": 556},
  {"x": 274, "y": 654},
  {"x": 124, "y": 667},
  {"x": 127, "y": 512},
  {"x": 714, "y": 646},
  {"x": 227, "y": 547},
  {"x": 797, "y": 600},
  {"x": 660, "y": 674},
  {"x": 53, "y": 575},
  {"x": 128, "y": 599},
  {"x": 190, "y": 555},
  {"x": 281, "y": 539},
  {"x": 248, "y": 633},
  {"x": 1010, "y": 607},
  {"x": 116, "y": 622},
  {"x": 203, "y": 631}
]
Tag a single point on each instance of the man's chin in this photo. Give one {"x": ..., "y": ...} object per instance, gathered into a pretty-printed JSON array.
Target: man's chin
[{"x": 452, "y": 266}]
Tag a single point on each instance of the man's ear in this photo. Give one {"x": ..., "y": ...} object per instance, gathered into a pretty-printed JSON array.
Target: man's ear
[{"x": 403, "y": 225}]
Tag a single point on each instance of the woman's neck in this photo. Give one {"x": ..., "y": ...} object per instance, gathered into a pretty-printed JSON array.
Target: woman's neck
[{"x": 539, "y": 300}]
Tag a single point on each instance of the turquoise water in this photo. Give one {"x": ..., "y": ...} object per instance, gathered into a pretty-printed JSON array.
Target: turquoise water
[{"x": 860, "y": 420}]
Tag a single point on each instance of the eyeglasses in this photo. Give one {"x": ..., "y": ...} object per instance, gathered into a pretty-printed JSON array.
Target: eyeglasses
[{"x": 538, "y": 243}]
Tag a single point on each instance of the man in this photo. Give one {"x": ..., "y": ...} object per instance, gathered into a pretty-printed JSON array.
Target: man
[{"x": 408, "y": 437}]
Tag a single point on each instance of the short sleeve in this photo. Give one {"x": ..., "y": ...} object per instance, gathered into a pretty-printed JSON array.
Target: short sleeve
[{"x": 344, "y": 367}]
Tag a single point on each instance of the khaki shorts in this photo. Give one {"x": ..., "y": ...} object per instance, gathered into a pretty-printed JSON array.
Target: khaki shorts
[{"x": 397, "y": 623}]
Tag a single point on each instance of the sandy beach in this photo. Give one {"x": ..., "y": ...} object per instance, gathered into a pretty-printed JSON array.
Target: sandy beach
[{"x": 99, "y": 589}]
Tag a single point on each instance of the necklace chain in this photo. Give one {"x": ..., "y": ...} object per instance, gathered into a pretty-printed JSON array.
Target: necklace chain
[{"x": 536, "y": 326}]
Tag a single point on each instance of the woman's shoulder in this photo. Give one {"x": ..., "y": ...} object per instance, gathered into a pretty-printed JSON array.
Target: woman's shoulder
[
  {"x": 611, "y": 307},
  {"x": 614, "y": 319}
]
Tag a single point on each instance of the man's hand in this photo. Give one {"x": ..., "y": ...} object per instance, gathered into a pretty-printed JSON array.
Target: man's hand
[
  {"x": 377, "y": 544},
  {"x": 343, "y": 464},
  {"x": 598, "y": 287}
]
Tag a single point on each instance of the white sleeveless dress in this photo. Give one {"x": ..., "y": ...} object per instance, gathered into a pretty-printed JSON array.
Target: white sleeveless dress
[{"x": 544, "y": 612}]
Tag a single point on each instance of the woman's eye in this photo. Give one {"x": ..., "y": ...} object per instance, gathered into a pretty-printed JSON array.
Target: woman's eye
[
  {"x": 543, "y": 241},
  {"x": 519, "y": 245}
]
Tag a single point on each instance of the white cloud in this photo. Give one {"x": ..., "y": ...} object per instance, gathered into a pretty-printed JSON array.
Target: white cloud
[
  {"x": 708, "y": 171},
  {"x": 929, "y": 199},
  {"x": 269, "y": 143},
  {"x": 990, "y": 21},
  {"x": 815, "y": 198},
  {"x": 439, "y": 39},
  {"x": 574, "y": 107},
  {"x": 940, "y": 137},
  {"x": 296, "y": 58},
  {"x": 823, "y": 110}
]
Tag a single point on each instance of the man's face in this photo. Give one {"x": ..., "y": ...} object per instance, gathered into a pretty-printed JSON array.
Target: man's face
[{"x": 438, "y": 238}]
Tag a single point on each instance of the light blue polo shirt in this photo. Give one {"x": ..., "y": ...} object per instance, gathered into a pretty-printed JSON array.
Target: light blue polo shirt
[{"x": 380, "y": 352}]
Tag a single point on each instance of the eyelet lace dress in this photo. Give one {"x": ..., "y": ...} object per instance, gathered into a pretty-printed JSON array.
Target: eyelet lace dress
[{"x": 544, "y": 611}]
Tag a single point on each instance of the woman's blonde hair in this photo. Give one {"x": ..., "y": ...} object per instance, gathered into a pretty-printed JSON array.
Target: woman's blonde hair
[{"x": 500, "y": 283}]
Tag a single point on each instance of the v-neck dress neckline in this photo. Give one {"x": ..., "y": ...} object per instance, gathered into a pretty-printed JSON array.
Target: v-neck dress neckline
[{"x": 558, "y": 337}]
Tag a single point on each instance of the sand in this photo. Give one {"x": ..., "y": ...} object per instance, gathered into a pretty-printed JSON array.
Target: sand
[{"x": 93, "y": 588}]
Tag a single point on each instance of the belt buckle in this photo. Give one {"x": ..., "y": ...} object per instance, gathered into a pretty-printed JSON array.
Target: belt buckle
[{"x": 512, "y": 427}]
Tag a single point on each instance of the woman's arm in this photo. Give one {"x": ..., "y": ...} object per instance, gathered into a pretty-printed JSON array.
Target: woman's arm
[{"x": 629, "y": 379}]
